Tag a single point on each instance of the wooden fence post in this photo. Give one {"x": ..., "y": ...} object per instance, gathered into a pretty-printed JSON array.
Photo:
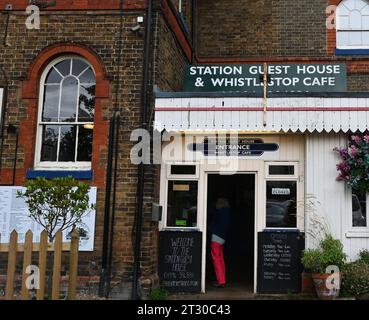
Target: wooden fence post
[
  {"x": 43, "y": 247},
  {"x": 73, "y": 266},
  {"x": 12, "y": 256},
  {"x": 42, "y": 265},
  {"x": 27, "y": 260},
  {"x": 57, "y": 265}
]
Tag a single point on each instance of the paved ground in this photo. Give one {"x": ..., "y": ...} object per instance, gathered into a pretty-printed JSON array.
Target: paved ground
[{"x": 234, "y": 292}]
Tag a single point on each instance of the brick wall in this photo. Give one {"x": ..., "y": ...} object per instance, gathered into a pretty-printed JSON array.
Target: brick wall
[
  {"x": 261, "y": 28},
  {"x": 256, "y": 31},
  {"x": 95, "y": 34}
]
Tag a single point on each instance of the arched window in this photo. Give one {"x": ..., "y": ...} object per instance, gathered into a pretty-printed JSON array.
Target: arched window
[
  {"x": 66, "y": 114},
  {"x": 353, "y": 24}
]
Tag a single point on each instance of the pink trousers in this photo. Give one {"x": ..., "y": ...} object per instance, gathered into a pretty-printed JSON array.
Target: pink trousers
[{"x": 217, "y": 256}]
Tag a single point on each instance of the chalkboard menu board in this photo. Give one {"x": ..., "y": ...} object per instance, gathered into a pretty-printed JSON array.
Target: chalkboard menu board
[
  {"x": 180, "y": 260},
  {"x": 279, "y": 261}
]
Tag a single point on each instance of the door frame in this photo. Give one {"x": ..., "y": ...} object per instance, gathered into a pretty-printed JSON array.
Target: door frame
[{"x": 205, "y": 217}]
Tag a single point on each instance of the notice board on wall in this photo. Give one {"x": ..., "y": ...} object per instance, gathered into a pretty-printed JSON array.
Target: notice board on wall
[
  {"x": 279, "y": 261},
  {"x": 14, "y": 215},
  {"x": 180, "y": 254}
]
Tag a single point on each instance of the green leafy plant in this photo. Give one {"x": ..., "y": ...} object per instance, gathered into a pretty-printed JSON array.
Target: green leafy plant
[
  {"x": 56, "y": 204},
  {"x": 158, "y": 294},
  {"x": 355, "y": 279},
  {"x": 364, "y": 256},
  {"x": 330, "y": 252}
]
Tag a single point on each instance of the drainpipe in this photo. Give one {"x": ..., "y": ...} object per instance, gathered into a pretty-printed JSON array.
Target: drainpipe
[
  {"x": 141, "y": 169},
  {"x": 104, "y": 276},
  {"x": 111, "y": 174},
  {"x": 194, "y": 31}
]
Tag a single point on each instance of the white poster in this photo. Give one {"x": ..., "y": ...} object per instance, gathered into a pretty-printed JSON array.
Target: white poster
[{"x": 14, "y": 215}]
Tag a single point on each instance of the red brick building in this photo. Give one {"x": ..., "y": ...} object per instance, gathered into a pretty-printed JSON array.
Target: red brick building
[
  {"x": 101, "y": 46},
  {"x": 120, "y": 52}
]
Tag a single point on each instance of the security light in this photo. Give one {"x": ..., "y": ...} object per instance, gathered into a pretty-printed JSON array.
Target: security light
[{"x": 136, "y": 28}]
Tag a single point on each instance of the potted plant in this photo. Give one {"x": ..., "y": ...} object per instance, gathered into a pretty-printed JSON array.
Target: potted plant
[{"x": 330, "y": 253}]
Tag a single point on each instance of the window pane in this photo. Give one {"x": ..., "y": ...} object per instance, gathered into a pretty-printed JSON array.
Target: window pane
[
  {"x": 51, "y": 103},
  {"x": 85, "y": 136},
  {"x": 365, "y": 37},
  {"x": 355, "y": 38},
  {"x": 67, "y": 143},
  {"x": 87, "y": 77},
  {"x": 343, "y": 39},
  {"x": 86, "y": 103},
  {"x": 183, "y": 170},
  {"x": 64, "y": 67},
  {"x": 343, "y": 23},
  {"x": 281, "y": 207},
  {"x": 78, "y": 66},
  {"x": 281, "y": 170},
  {"x": 182, "y": 204},
  {"x": 359, "y": 214},
  {"x": 49, "y": 148},
  {"x": 355, "y": 20},
  {"x": 69, "y": 99},
  {"x": 53, "y": 77}
]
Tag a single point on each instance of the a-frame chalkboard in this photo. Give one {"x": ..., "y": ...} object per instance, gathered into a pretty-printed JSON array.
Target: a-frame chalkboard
[
  {"x": 279, "y": 261},
  {"x": 180, "y": 254}
]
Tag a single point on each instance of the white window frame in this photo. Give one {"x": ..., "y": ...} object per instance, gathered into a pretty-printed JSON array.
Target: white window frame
[
  {"x": 294, "y": 178},
  {"x": 181, "y": 177},
  {"x": 350, "y": 30},
  {"x": 50, "y": 165},
  {"x": 282, "y": 176}
]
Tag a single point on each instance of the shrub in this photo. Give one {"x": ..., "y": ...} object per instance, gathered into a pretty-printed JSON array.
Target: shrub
[
  {"x": 312, "y": 261},
  {"x": 355, "y": 279},
  {"x": 364, "y": 256},
  {"x": 57, "y": 204},
  {"x": 329, "y": 253},
  {"x": 158, "y": 294}
]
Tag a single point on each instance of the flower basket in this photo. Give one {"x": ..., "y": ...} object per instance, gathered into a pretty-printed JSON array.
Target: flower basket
[{"x": 354, "y": 167}]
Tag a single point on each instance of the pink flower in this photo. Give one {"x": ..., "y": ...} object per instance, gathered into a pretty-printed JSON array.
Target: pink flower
[
  {"x": 355, "y": 138},
  {"x": 366, "y": 139},
  {"x": 360, "y": 161},
  {"x": 343, "y": 167},
  {"x": 354, "y": 151}
]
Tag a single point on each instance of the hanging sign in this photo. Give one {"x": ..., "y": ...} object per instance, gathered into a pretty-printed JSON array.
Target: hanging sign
[
  {"x": 281, "y": 78},
  {"x": 241, "y": 148}
]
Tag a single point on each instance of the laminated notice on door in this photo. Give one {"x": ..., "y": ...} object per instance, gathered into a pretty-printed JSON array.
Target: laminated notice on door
[
  {"x": 281, "y": 191},
  {"x": 181, "y": 187}
]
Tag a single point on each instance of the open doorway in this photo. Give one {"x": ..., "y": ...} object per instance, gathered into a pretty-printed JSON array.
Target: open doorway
[{"x": 239, "y": 190}]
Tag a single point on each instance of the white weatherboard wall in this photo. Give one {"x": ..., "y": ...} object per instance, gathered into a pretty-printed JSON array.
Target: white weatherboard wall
[{"x": 332, "y": 199}]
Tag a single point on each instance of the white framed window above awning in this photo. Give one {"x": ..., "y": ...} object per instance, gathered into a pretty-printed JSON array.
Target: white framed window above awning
[{"x": 333, "y": 112}]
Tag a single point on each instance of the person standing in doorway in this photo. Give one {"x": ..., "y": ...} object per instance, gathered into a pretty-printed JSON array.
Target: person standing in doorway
[{"x": 218, "y": 228}]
